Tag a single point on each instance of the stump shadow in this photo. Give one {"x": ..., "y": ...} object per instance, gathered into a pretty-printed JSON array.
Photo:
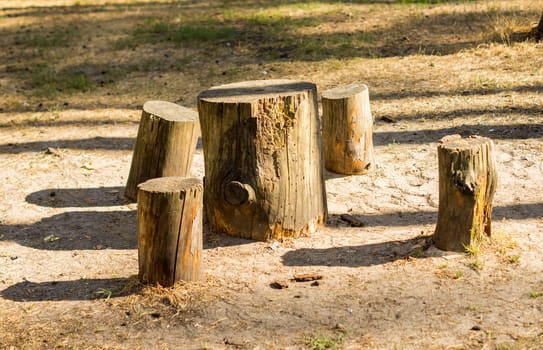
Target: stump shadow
[
  {"x": 78, "y": 197},
  {"x": 362, "y": 255},
  {"x": 89, "y": 230},
  {"x": 212, "y": 239},
  {"x": 399, "y": 218},
  {"x": 393, "y": 219},
  {"x": 101, "y": 143},
  {"x": 83, "y": 289},
  {"x": 388, "y": 219},
  {"x": 494, "y": 132},
  {"x": 518, "y": 211}
]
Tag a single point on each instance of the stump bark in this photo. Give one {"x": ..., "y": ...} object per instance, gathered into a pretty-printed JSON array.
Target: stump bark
[
  {"x": 347, "y": 130},
  {"x": 539, "y": 29},
  {"x": 165, "y": 144},
  {"x": 170, "y": 230},
  {"x": 263, "y": 159},
  {"x": 467, "y": 182}
]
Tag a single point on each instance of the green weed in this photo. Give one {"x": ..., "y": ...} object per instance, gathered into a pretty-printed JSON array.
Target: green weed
[
  {"x": 534, "y": 294},
  {"x": 476, "y": 265},
  {"x": 514, "y": 259},
  {"x": 51, "y": 238},
  {"x": 153, "y": 31},
  {"x": 442, "y": 266},
  {"x": 77, "y": 81},
  {"x": 201, "y": 33},
  {"x": 55, "y": 38},
  {"x": 322, "y": 342},
  {"x": 107, "y": 293},
  {"x": 474, "y": 248},
  {"x": 427, "y": 2},
  {"x": 48, "y": 82},
  {"x": 504, "y": 346},
  {"x": 473, "y": 307},
  {"x": 416, "y": 253}
]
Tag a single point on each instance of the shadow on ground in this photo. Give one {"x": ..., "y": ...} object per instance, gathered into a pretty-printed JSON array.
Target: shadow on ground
[
  {"x": 118, "y": 229},
  {"x": 89, "y": 230},
  {"x": 83, "y": 289},
  {"x": 77, "y": 197},
  {"x": 507, "y": 212},
  {"x": 95, "y": 143},
  {"x": 363, "y": 255},
  {"x": 377, "y": 96},
  {"x": 494, "y": 132}
]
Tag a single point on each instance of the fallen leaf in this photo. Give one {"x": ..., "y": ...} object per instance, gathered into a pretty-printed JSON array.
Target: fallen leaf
[{"x": 51, "y": 238}]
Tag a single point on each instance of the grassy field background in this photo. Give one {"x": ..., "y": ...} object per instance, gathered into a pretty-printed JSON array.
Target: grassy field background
[{"x": 90, "y": 54}]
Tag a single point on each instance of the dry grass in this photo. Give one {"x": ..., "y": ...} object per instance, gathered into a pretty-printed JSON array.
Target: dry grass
[{"x": 90, "y": 55}]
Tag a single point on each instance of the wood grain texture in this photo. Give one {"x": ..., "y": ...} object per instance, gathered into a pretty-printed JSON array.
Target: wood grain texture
[
  {"x": 165, "y": 144},
  {"x": 263, "y": 159},
  {"x": 347, "y": 130},
  {"x": 467, "y": 182},
  {"x": 170, "y": 230}
]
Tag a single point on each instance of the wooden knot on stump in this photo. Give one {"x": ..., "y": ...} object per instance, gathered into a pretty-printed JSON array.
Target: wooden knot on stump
[
  {"x": 263, "y": 159},
  {"x": 237, "y": 193},
  {"x": 170, "y": 230},
  {"x": 467, "y": 182},
  {"x": 165, "y": 145},
  {"x": 347, "y": 130}
]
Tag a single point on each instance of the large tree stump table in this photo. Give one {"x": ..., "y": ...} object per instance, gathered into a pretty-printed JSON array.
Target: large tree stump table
[
  {"x": 347, "y": 130},
  {"x": 165, "y": 145},
  {"x": 170, "y": 230},
  {"x": 467, "y": 182},
  {"x": 263, "y": 159}
]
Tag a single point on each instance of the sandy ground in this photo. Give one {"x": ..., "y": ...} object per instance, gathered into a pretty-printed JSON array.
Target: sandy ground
[
  {"x": 68, "y": 254},
  {"x": 73, "y": 79}
]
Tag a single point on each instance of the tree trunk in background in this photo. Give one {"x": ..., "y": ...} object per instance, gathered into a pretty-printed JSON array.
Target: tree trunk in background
[
  {"x": 467, "y": 182},
  {"x": 263, "y": 159},
  {"x": 165, "y": 144}
]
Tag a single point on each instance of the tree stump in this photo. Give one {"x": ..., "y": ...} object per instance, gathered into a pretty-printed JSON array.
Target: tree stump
[
  {"x": 347, "y": 130},
  {"x": 538, "y": 31},
  {"x": 170, "y": 230},
  {"x": 467, "y": 182},
  {"x": 165, "y": 144},
  {"x": 263, "y": 159}
]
